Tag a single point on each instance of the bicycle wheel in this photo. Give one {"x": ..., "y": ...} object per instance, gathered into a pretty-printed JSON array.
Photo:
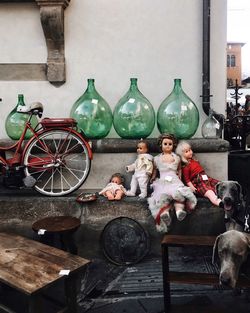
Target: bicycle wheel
[{"x": 59, "y": 162}]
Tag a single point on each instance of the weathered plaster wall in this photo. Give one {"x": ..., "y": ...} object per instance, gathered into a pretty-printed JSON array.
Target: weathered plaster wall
[{"x": 112, "y": 41}]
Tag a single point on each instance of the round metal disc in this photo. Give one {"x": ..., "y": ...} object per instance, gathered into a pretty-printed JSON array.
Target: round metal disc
[{"x": 124, "y": 241}]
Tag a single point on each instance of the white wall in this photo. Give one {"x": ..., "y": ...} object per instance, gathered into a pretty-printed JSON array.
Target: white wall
[{"x": 112, "y": 41}]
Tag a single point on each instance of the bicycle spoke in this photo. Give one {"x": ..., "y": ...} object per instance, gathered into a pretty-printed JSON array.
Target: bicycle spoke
[
  {"x": 71, "y": 171},
  {"x": 63, "y": 178}
]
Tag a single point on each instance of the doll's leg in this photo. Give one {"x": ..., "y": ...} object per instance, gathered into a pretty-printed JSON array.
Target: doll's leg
[
  {"x": 165, "y": 216},
  {"x": 179, "y": 210},
  {"x": 133, "y": 187},
  {"x": 143, "y": 184},
  {"x": 118, "y": 194},
  {"x": 213, "y": 198},
  {"x": 109, "y": 195}
]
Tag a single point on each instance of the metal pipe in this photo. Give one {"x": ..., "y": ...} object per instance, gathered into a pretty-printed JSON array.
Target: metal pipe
[
  {"x": 206, "y": 63},
  {"x": 206, "y": 57}
]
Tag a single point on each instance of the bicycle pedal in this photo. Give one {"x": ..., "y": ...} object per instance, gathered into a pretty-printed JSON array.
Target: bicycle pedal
[{"x": 29, "y": 181}]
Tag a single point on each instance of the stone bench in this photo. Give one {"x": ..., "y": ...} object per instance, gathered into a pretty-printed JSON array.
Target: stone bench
[{"x": 18, "y": 212}]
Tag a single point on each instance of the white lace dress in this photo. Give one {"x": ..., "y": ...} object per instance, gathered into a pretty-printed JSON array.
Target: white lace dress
[{"x": 168, "y": 187}]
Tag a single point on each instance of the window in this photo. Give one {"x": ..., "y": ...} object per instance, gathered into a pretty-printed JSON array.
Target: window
[{"x": 231, "y": 60}]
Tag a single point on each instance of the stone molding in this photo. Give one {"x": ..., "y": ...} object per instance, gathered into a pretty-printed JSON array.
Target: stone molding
[{"x": 52, "y": 20}]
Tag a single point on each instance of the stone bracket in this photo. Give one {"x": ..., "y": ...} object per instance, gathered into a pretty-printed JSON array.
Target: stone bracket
[{"x": 52, "y": 20}]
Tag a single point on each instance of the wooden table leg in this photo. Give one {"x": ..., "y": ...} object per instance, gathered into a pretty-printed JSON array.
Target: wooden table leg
[
  {"x": 166, "y": 281},
  {"x": 68, "y": 242},
  {"x": 71, "y": 293},
  {"x": 35, "y": 304}
]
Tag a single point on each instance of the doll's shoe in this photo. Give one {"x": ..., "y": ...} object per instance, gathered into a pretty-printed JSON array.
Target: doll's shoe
[
  {"x": 181, "y": 214},
  {"x": 162, "y": 228},
  {"x": 142, "y": 196},
  {"x": 166, "y": 218},
  {"x": 129, "y": 193}
]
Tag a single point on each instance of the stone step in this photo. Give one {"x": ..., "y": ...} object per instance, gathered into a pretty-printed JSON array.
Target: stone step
[{"x": 19, "y": 209}]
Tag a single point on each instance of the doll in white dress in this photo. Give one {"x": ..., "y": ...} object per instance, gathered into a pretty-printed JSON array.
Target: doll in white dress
[
  {"x": 168, "y": 190},
  {"x": 114, "y": 189},
  {"x": 143, "y": 168}
]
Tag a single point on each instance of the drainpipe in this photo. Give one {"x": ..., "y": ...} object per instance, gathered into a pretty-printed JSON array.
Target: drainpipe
[{"x": 206, "y": 63}]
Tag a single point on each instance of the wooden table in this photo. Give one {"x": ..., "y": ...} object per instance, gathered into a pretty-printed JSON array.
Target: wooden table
[
  {"x": 188, "y": 277},
  {"x": 30, "y": 267},
  {"x": 63, "y": 226}
]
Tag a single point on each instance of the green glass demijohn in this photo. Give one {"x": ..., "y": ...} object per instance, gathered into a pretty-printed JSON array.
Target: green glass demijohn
[
  {"x": 134, "y": 115},
  {"x": 92, "y": 113},
  {"x": 211, "y": 128},
  {"x": 178, "y": 114},
  {"x": 15, "y": 122}
]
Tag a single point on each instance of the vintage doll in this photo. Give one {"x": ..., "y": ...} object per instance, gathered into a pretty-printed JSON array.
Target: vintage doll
[
  {"x": 143, "y": 168},
  {"x": 168, "y": 189},
  {"x": 194, "y": 175},
  {"x": 114, "y": 189}
]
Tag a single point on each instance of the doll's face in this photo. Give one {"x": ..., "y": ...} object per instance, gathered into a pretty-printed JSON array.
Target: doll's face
[
  {"x": 117, "y": 180},
  {"x": 187, "y": 153},
  {"x": 142, "y": 148},
  {"x": 167, "y": 145}
]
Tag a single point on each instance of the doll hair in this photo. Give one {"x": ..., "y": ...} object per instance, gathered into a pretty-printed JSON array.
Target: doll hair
[
  {"x": 167, "y": 136},
  {"x": 180, "y": 148},
  {"x": 145, "y": 143},
  {"x": 117, "y": 175}
]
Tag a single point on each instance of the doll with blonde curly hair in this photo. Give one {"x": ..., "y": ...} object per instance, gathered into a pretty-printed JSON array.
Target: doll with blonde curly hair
[{"x": 195, "y": 176}]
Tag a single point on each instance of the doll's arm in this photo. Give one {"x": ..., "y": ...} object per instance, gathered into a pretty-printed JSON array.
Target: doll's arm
[
  {"x": 179, "y": 172},
  {"x": 191, "y": 186},
  {"x": 130, "y": 168},
  {"x": 154, "y": 174}
]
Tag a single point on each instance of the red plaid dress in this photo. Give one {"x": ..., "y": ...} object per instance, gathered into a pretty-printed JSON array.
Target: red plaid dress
[{"x": 193, "y": 172}]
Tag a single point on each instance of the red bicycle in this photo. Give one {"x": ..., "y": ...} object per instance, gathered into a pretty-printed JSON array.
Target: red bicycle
[{"x": 55, "y": 161}]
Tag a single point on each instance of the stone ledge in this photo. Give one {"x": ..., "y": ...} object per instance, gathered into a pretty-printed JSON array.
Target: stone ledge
[{"x": 120, "y": 145}]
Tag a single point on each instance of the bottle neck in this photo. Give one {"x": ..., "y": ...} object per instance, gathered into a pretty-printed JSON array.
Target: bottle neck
[
  {"x": 177, "y": 85},
  {"x": 20, "y": 100},
  {"x": 133, "y": 84},
  {"x": 91, "y": 85}
]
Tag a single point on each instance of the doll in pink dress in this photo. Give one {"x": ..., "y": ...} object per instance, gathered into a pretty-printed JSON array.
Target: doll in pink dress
[
  {"x": 114, "y": 189},
  {"x": 194, "y": 175},
  {"x": 168, "y": 189}
]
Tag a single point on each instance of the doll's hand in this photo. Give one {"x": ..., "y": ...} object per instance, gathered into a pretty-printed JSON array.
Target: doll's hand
[
  {"x": 151, "y": 179},
  {"x": 193, "y": 189},
  {"x": 130, "y": 168}
]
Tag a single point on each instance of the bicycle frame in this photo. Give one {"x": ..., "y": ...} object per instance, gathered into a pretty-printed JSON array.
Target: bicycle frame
[{"x": 19, "y": 150}]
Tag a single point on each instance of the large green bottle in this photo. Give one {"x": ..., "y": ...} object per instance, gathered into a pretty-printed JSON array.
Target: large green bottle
[
  {"x": 178, "y": 114},
  {"x": 92, "y": 113},
  {"x": 15, "y": 122},
  {"x": 134, "y": 116}
]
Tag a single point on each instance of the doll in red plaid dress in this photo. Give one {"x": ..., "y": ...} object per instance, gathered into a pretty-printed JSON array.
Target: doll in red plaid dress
[{"x": 194, "y": 175}]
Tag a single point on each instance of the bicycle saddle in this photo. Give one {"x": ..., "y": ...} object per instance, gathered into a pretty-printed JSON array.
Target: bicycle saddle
[{"x": 35, "y": 106}]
